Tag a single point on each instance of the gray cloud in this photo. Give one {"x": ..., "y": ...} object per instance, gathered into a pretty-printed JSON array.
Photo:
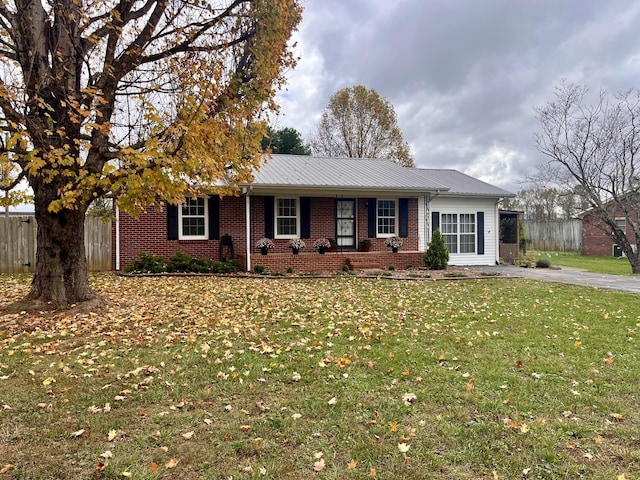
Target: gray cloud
[{"x": 463, "y": 76}]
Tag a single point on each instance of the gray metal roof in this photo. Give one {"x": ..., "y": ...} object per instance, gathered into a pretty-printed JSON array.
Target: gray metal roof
[
  {"x": 307, "y": 172},
  {"x": 347, "y": 173},
  {"x": 461, "y": 184}
]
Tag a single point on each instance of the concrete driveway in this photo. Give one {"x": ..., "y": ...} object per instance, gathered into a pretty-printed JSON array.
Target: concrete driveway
[{"x": 575, "y": 276}]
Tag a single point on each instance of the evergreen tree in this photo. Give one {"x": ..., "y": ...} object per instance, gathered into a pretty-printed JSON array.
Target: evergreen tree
[{"x": 437, "y": 256}]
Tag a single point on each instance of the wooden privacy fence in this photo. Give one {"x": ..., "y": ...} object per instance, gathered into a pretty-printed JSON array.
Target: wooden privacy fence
[
  {"x": 554, "y": 235},
  {"x": 18, "y": 244}
]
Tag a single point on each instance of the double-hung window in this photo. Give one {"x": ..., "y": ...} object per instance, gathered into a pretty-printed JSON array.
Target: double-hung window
[
  {"x": 287, "y": 218},
  {"x": 449, "y": 230},
  {"x": 193, "y": 219},
  {"x": 387, "y": 218},
  {"x": 467, "y": 233},
  {"x": 459, "y": 232}
]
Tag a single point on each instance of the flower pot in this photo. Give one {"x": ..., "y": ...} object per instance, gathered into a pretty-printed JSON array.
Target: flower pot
[
  {"x": 365, "y": 248},
  {"x": 296, "y": 251},
  {"x": 394, "y": 249},
  {"x": 264, "y": 251},
  {"x": 321, "y": 250}
]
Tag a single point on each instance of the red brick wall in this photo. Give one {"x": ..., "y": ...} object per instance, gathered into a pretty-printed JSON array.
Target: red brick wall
[
  {"x": 594, "y": 240},
  {"x": 148, "y": 233},
  {"x": 334, "y": 261}
]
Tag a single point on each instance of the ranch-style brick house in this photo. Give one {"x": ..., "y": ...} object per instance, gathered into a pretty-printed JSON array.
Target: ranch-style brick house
[
  {"x": 595, "y": 232},
  {"x": 346, "y": 200}
]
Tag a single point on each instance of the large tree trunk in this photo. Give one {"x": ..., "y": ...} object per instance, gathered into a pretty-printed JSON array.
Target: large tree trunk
[
  {"x": 635, "y": 265},
  {"x": 61, "y": 277}
]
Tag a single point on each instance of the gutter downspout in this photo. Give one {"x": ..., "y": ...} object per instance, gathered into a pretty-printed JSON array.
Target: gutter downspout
[
  {"x": 247, "y": 209},
  {"x": 117, "y": 238}
]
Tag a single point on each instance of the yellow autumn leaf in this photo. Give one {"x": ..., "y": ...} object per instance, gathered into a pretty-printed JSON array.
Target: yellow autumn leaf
[
  {"x": 48, "y": 381},
  {"x": 6, "y": 469},
  {"x": 112, "y": 435},
  {"x": 171, "y": 463},
  {"x": 352, "y": 464},
  {"x": 372, "y": 473}
]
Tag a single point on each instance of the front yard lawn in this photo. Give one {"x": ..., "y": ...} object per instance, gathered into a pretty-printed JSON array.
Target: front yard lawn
[
  {"x": 342, "y": 378},
  {"x": 610, "y": 265}
]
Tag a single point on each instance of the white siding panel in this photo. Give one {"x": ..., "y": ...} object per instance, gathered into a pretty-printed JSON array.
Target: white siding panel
[
  {"x": 422, "y": 225},
  {"x": 444, "y": 204}
]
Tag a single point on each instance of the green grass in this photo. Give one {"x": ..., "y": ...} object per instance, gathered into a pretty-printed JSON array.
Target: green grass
[
  {"x": 610, "y": 265},
  {"x": 215, "y": 378}
]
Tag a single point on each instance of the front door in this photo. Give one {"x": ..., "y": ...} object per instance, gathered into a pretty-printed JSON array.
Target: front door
[{"x": 346, "y": 223}]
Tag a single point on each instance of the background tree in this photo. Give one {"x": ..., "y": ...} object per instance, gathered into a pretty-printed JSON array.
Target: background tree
[
  {"x": 139, "y": 100},
  {"x": 595, "y": 145},
  {"x": 359, "y": 123},
  {"x": 286, "y": 140}
]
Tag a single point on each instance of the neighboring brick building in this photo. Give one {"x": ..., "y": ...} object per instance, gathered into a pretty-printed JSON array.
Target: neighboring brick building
[
  {"x": 346, "y": 200},
  {"x": 596, "y": 239}
]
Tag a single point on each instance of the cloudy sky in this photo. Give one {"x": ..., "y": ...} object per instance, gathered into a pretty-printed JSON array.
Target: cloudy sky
[{"x": 464, "y": 76}]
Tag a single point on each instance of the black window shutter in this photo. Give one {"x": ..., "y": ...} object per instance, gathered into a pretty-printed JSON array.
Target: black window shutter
[
  {"x": 373, "y": 226},
  {"x": 268, "y": 216},
  {"x": 480, "y": 233},
  {"x": 172, "y": 222},
  {"x": 214, "y": 218},
  {"x": 404, "y": 217},
  {"x": 305, "y": 217},
  {"x": 435, "y": 221}
]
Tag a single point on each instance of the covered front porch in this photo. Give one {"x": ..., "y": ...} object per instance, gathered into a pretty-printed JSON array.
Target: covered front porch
[{"x": 313, "y": 261}]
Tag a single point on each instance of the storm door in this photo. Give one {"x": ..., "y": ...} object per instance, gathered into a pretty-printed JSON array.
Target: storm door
[{"x": 346, "y": 223}]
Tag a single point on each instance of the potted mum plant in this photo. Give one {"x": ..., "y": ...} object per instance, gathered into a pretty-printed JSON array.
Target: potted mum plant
[
  {"x": 296, "y": 244},
  {"x": 365, "y": 245},
  {"x": 394, "y": 242},
  {"x": 265, "y": 244},
  {"x": 322, "y": 245}
]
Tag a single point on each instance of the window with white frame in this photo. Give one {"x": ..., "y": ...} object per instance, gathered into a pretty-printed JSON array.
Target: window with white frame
[
  {"x": 621, "y": 222},
  {"x": 286, "y": 218},
  {"x": 193, "y": 219},
  {"x": 387, "y": 218},
  {"x": 467, "y": 232},
  {"x": 449, "y": 231},
  {"x": 459, "y": 232}
]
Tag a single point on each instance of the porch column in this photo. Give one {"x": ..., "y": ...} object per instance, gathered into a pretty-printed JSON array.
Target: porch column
[{"x": 247, "y": 208}]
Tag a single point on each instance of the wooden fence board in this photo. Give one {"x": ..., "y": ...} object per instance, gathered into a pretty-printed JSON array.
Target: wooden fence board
[
  {"x": 554, "y": 235},
  {"x": 18, "y": 244}
]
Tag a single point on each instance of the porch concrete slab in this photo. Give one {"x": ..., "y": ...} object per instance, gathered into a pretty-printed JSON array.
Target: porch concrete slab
[{"x": 575, "y": 276}]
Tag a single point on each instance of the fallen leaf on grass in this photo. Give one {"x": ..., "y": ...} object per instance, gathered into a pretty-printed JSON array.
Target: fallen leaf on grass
[
  {"x": 319, "y": 465},
  {"x": 188, "y": 435},
  {"x": 333, "y": 401},
  {"x": 403, "y": 447},
  {"x": 107, "y": 454},
  {"x": 113, "y": 434},
  {"x": 407, "y": 398},
  {"x": 352, "y": 464},
  {"x": 6, "y": 469},
  {"x": 77, "y": 433},
  {"x": 172, "y": 463}
]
